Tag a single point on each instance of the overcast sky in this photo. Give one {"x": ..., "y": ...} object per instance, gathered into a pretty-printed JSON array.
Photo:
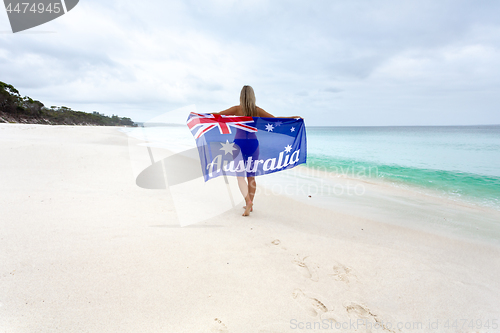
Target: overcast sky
[{"x": 344, "y": 63}]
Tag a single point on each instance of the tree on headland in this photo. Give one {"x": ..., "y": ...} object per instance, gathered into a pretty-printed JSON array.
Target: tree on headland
[
  {"x": 9, "y": 98},
  {"x": 15, "y": 108}
]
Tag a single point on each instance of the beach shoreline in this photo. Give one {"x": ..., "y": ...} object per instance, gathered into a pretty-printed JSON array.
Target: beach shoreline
[
  {"x": 85, "y": 249},
  {"x": 380, "y": 200}
]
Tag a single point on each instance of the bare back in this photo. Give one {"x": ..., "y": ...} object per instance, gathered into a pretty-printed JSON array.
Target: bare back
[{"x": 237, "y": 111}]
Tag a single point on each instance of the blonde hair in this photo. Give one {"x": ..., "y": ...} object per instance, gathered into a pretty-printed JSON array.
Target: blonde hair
[{"x": 247, "y": 102}]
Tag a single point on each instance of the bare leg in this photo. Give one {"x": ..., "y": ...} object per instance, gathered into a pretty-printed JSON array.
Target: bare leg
[
  {"x": 242, "y": 184},
  {"x": 252, "y": 185}
]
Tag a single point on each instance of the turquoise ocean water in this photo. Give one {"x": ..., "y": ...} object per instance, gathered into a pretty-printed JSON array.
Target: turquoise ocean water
[{"x": 457, "y": 162}]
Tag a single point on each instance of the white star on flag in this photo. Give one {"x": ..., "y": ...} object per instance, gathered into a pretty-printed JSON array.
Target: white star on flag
[
  {"x": 278, "y": 123},
  {"x": 292, "y": 129},
  {"x": 228, "y": 147},
  {"x": 269, "y": 127},
  {"x": 288, "y": 148}
]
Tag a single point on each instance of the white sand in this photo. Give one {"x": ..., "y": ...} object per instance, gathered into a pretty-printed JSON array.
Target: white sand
[{"x": 83, "y": 249}]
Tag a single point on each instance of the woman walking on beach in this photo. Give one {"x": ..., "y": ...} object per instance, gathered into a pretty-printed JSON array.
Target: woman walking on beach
[{"x": 247, "y": 141}]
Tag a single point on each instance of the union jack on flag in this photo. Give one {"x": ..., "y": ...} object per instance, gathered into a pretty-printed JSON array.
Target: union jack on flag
[{"x": 206, "y": 122}]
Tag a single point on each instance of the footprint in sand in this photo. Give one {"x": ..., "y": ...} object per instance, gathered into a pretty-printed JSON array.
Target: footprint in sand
[
  {"x": 277, "y": 244},
  {"x": 308, "y": 271},
  {"x": 218, "y": 326},
  {"x": 342, "y": 273},
  {"x": 311, "y": 305},
  {"x": 357, "y": 310}
]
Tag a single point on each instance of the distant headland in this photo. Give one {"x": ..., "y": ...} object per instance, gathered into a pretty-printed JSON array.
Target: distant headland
[{"x": 17, "y": 109}]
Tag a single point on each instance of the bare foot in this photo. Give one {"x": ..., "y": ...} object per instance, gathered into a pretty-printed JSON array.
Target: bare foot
[
  {"x": 245, "y": 207},
  {"x": 248, "y": 208}
]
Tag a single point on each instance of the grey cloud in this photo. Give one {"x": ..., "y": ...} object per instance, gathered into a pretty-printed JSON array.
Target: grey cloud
[
  {"x": 288, "y": 50},
  {"x": 33, "y": 63},
  {"x": 333, "y": 90}
]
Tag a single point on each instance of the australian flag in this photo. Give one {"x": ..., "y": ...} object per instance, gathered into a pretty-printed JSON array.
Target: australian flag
[{"x": 247, "y": 146}]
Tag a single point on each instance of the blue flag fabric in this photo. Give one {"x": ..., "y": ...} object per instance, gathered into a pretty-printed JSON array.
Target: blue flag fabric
[{"x": 247, "y": 146}]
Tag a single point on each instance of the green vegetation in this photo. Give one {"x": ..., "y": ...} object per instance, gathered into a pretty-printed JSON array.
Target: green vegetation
[{"x": 14, "y": 108}]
